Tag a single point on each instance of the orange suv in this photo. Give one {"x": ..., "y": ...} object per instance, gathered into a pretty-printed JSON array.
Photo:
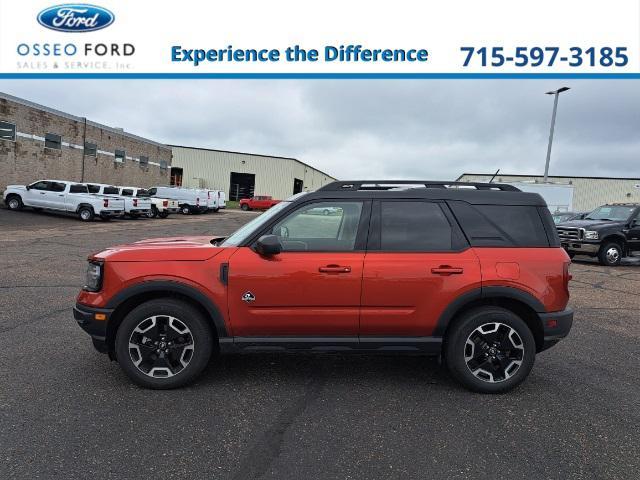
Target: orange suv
[{"x": 472, "y": 272}]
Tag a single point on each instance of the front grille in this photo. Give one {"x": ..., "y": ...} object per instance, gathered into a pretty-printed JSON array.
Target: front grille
[{"x": 570, "y": 233}]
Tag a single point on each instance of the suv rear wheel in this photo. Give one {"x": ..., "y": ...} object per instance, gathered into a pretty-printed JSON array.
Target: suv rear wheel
[
  {"x": 164, "y": 344},
  {"x": 610, "y": 254},
  {"x": 490, "y": 350}
]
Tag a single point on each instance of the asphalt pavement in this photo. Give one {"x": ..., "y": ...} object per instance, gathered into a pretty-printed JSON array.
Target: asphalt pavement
[{"x": 67, "y": 412}]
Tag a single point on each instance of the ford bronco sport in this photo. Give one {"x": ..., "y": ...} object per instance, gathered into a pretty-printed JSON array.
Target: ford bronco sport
[{"x": 472, "y": 272}]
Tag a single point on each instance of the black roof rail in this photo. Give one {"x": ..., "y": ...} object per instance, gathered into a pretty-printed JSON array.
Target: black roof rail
[{"x": 355, "y": 185}]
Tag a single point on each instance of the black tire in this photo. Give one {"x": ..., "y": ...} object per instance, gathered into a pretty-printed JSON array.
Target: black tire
[
  {"x": 326, "y": 212},
  {"x": 461, "y": 358},
  {"x": 571, "y": 254},
  {"x": 163, "y": 214},
  {"x": 185, "y": 209},
  {"x": 153, "y": 213},
  {"x": 244, "y": 207},
  {"x": 14, "y": 202},
  {"x": 86, "y": 214},
  {"x": 216, "y": 210},
  {"x": 199, "y": 338},
  {"x": 610, "y": 254}
]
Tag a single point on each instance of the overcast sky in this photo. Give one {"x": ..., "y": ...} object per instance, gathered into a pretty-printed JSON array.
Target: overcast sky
[{"x": 374, "y": 129}]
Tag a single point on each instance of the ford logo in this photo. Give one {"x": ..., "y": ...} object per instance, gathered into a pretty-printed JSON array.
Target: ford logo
[{"x": 75, "y": 17}]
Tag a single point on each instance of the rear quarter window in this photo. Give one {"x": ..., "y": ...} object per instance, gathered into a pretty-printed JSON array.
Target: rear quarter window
[{"x": 501, "y": 225}]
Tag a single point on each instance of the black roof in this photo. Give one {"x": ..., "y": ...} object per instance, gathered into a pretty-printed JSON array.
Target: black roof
[{"x": 474, "y": 193}]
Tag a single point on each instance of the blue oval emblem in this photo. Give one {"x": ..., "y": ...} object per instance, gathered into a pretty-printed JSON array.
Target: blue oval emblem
[{"x": 75, "y": 17}]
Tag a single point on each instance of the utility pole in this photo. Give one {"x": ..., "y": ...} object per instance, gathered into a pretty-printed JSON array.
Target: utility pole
[{"x": 556, "y": 94}]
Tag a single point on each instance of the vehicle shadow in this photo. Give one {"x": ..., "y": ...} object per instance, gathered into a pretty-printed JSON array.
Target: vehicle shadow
[{"x": 338, "y": 368}]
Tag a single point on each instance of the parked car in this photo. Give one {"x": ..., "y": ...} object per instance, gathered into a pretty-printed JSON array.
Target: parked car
[
  {"x": 610, "y": 233},
  {"x": 477, "y": 276},
  {"x": 189, "y": 200},
  {"x": 259, "y": 202},
  {"x": 160, "y": 207},
  {"x": 560, "y": 217},
  {"x": 63, "y": 196}
]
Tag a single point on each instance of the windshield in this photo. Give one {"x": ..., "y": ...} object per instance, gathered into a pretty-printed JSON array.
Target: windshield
[
  {"x": 561, "y": 217},
  {"x": 611, "y": 212},
  {"x": 245, "y": 231}
]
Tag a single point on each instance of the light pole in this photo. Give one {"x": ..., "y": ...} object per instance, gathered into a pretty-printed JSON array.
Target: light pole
[{"x": 553, "y": 124}]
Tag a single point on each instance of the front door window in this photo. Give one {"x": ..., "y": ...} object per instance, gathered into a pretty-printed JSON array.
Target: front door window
[{"x": 323, "y": 226}]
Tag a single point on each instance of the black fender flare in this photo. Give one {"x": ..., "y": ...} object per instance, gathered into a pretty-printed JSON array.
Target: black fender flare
[
  {"x": 169, "y": 286},
  {"x": 81, "y": 205},
  {"x": 615, "y": 237},
  {"x": 465, "y": 299}
]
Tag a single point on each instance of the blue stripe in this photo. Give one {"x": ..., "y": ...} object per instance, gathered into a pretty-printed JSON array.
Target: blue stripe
[{"x": 325, "y": 76}]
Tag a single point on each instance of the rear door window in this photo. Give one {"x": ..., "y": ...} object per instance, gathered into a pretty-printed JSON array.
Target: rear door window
[
  {"x": 414, "y": 226},
  {"x": 56, "y": 187},
  {"x": 77, "y": 188}
]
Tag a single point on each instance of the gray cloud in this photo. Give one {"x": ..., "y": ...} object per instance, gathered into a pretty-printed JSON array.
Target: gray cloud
[{"x": 400, "y": 129}]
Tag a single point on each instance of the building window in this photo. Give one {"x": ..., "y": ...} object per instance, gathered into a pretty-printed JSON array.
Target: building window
[
  {"x": 7, "y": 131},
  {"x": 163, "y": 165},
  {"x": 51, "y": 140},
  {"x": 120, "y": 156},
  {"x": 90, "y": 149},
  {"x": 144, "y": 161}
]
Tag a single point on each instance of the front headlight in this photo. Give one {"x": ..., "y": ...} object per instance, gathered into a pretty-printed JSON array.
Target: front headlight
[
  {"x": 590, "y": 235},
  {"x": 94, "y": 276}
]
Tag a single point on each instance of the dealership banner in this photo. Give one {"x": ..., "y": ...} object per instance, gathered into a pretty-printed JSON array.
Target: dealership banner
[{"x": 329, "y": 39}]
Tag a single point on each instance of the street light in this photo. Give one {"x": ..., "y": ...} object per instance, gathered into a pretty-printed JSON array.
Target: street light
[{"x": 553, "y": 124}]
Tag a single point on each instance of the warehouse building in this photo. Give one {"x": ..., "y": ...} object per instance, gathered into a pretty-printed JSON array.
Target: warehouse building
[
  {"x": 243, "y": 175},
  {"x": 588, "y": 192},
  {"x": 38, "y": 142}
]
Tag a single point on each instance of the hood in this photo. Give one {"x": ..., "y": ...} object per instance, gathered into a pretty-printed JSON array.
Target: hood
[
  {"x": 590, "y": 224},
  {"x": 163, "y": 249}
]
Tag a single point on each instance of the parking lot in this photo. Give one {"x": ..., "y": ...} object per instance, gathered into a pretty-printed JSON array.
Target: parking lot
[{"x": 66, "y": 411}]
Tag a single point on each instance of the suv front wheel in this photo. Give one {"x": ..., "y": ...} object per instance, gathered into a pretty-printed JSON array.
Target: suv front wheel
[
  {"x": 164, "y": 344},
  {"x": 490, "y": 350}
]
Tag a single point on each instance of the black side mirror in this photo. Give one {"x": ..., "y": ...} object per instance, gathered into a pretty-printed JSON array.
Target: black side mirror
[
  {"x": 268, "y": 245},
  {"x": 28, "y": 187}
]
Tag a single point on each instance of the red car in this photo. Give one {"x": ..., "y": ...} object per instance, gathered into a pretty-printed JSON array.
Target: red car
[
  {"x": 475, "y": 274},
  {"x": 260, "y": 202}
]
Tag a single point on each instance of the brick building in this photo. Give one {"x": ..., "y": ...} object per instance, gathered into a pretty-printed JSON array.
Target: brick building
[{"x": 38, "y": 142}]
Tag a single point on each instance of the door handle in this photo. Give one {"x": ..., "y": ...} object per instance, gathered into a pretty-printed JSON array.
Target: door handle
[
  {"x": 61, "y": 195},
  {"x": 334, "y": 269},
  {"x": 42, "y": 193},
  {"x": 446, "y": 270}
]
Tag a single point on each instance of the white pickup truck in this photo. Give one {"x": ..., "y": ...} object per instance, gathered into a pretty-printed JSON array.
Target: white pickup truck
[
  {"x": 160, "y": 207},
  {"x": 133, "y": 207},
  {"x": 63, "y": 196}
]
